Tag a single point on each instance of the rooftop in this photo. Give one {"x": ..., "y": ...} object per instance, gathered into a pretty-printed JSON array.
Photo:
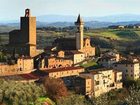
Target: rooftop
[
  {"x": 73, "y": 52},
  {"x": 25, "y": 57},
  {"x": 127, "y": 61},
  {"x": 79, "y": 19},
  {"x": 86, "y": 75},
  {"x": 29, "y": 76},
  {"x": 97, "y": 71},
  {"x": 61, "y": 69}
]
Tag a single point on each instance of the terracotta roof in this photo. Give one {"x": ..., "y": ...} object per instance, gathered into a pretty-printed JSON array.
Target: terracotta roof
[
  {"x": 25, "y": 57},
  {"x": 61, "y": 69},
  {"x": 86, "y": 76},
  {"x": 73, "y": 52},
  {"x": 127, "y": 62},
  {"x": 107, "y": 57},
  {"x": 28, "y": 76},
  {"x": 97, "y": 71},
  {"x": 59, "y": 58}
]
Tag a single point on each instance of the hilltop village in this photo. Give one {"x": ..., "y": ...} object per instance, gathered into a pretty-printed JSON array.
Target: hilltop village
[{"x": 64, "y": 59}]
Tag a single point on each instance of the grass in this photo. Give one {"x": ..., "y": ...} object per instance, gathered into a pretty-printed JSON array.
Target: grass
[
  {"x": 89, "y": 64},
  {"x": 44, "y": 99}
]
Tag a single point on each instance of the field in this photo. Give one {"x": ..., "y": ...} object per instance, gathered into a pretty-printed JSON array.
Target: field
[
  {"x": 122, "y": 40},
  {"x": 114, "y": 34}
]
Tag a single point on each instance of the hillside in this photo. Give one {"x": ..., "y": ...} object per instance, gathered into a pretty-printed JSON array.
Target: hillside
[
  {"x": 122, "y": 40},
  {"x": 122, "y": 35},
  {"x": 90, "y": 24}
]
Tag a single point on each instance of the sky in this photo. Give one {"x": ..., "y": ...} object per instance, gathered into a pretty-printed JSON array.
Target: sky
[{"x": 13, "y": 9}]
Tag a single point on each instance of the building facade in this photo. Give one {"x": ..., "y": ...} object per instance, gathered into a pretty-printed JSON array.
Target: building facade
[
  {"x": 98, "y": 82},
  {"x": 108, "y": 58},
  {"x": 54, "y": 62},
  {"x": 25, "y": 64},
  {"x": 129, "y": 67},
  {"x": 63, "y": 72}
]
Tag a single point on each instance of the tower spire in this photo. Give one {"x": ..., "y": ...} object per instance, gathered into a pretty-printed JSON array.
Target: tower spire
[{"x": 79, "y": 20}]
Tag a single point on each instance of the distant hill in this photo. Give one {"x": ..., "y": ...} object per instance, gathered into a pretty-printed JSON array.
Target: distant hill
[
  {"x": 93, "y": 22},
  {"x": 69, "y": 18}
]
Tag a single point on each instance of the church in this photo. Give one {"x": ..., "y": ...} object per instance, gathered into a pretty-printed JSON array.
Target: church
[
  {"x": 67, "y": 52},
  {"x": 78, "y": 43}
]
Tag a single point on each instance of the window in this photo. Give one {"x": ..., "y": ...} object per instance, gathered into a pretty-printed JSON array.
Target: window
[
  {"x": 104, "y": 81},
  {"x": 115, "y": 65},
  {"x": 97, "y": 82}
]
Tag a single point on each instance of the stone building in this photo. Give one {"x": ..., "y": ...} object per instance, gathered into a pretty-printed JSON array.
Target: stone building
[
  {"x": 88, "y": 50},
  {"x": 23, "y": 41},
  {"x": 63, "y": 72},
  {"x": 98, "y": 82},
  {"x": 107, "y": 61},
  {"x": 58, "y": 59},
  {"x": 76, "y": 56},
  {"x": 108, "y": 58},
  {"x": 57, "y": 62},
  {"x": 129, "y": 67},
  {"x": 25, "y": 64}
]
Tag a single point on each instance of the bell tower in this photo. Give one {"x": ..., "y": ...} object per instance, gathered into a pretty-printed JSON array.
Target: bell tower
[
  {"x": 27, "y": 13},
  {"x": 28, "y": 32},
  {"x": 79, "y": 34}
]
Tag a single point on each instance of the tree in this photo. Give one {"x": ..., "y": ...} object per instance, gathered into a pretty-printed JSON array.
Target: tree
[
  {"x": 134, "y": 97},
  {"x": 55, "y": 88},
  {"x": 18, "y": 93},
  {"x": 97, "y": 51},
  {"x": 73, "y": 99}
]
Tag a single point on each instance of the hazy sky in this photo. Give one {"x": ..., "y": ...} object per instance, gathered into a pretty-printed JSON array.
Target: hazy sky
[{"x": 12, "y": 9}]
